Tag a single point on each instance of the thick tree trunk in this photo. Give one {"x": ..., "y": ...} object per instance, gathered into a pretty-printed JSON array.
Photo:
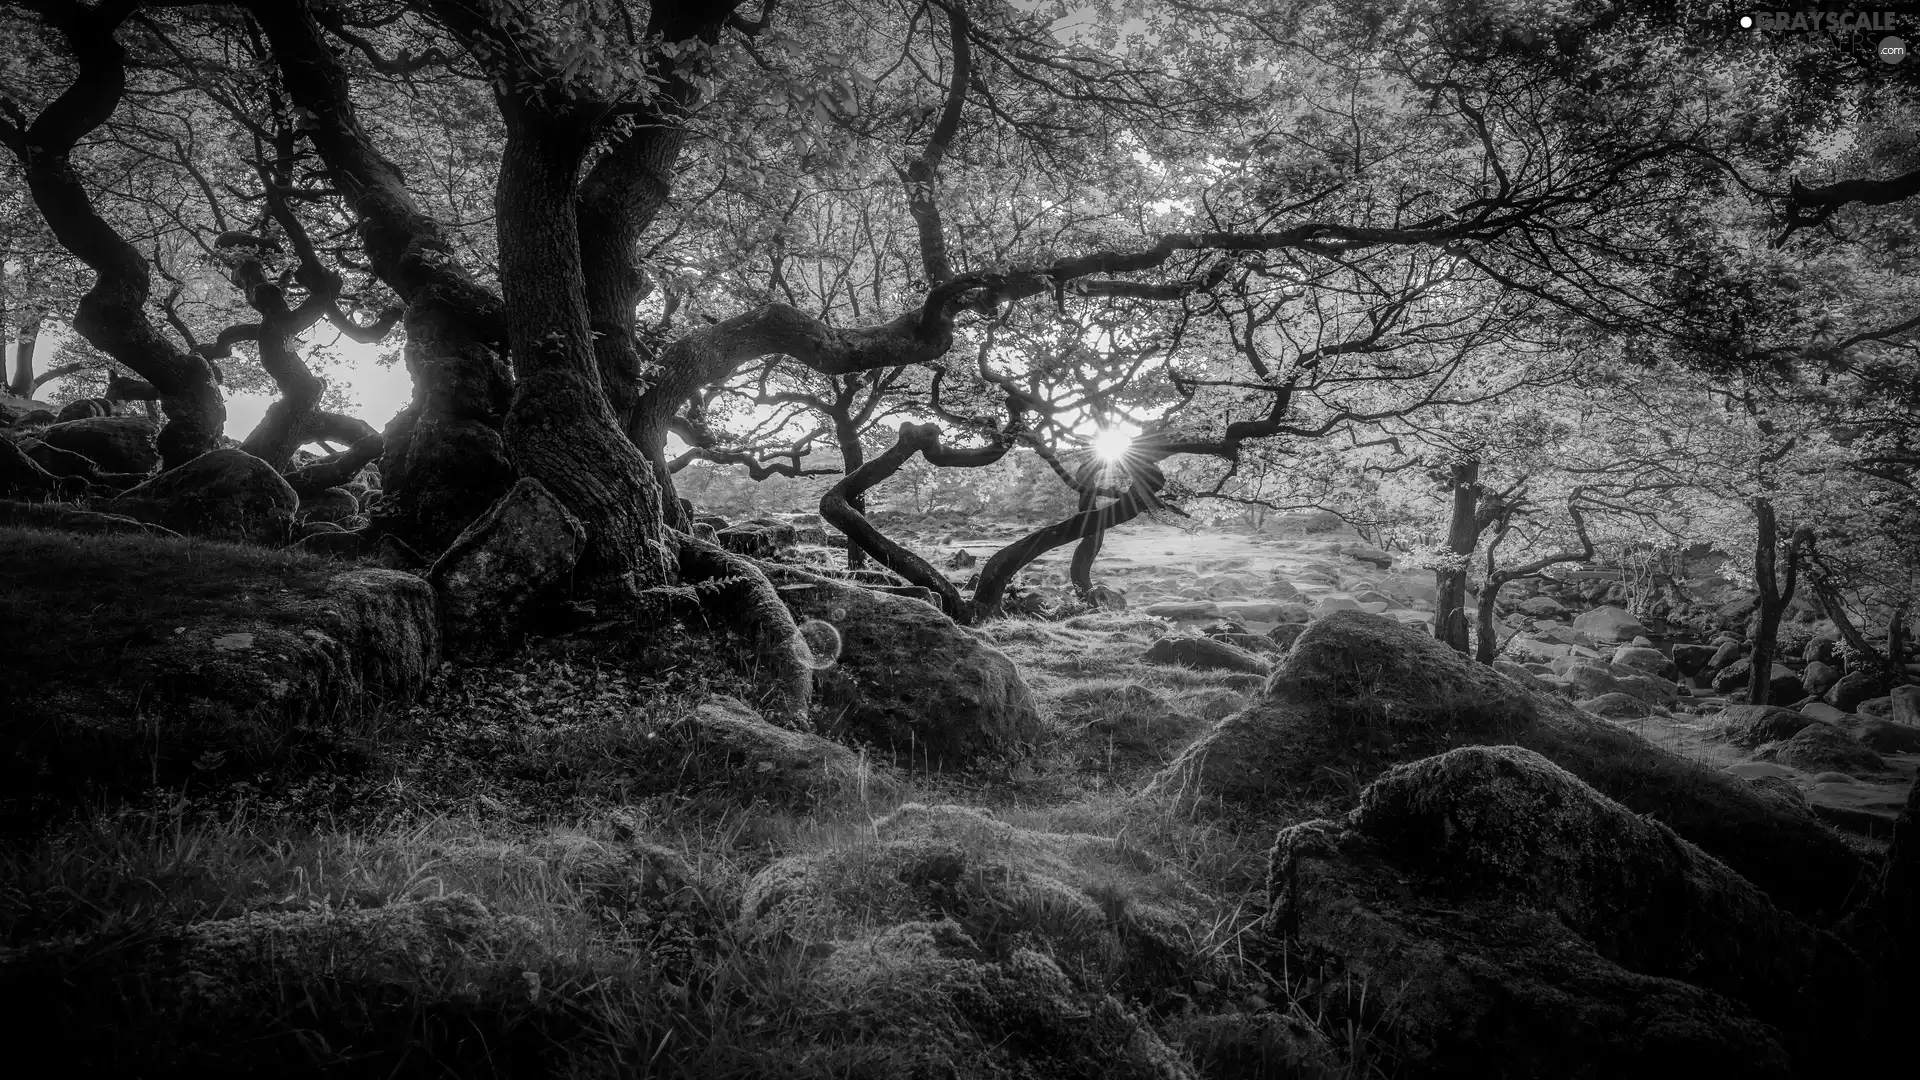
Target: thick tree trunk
[
  {"x": 1450, "y": 619},
  {"x": 1487, "y": 645},
  {"x": 112, "y": 315},
  {"x": 28, "y": 340},
  {"x": 445, "y": 460},
  {"x": 1080, "y": 569},
  {"x": 1896, "y": 656},
  {"x": 560, "y": 429}
]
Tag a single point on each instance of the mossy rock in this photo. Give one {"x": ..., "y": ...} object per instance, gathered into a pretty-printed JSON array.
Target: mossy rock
[
  {"x": 1359, "y": 693},
  {"x": 1536, "y": 923}
]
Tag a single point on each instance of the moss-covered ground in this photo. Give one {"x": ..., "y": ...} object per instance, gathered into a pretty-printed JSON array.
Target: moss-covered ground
[{"x": 524, "y": 873}]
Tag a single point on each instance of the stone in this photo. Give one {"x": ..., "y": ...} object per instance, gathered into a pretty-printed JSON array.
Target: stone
[
  {"x": 1650, "y": 661},
  {"x": 1784, "y": 686},
  {"x": 1358, "y": 693},
  {"x": 1183, "y": 609},
  {"x": 1751, "y": 725},
  {"x": 1369, "y": 554},
  {"x": 86, "y": 521},
  {"x": 1818, "y": 678},
  {"x": 1643, "y": 642},
  {"x": 1906, "y": 705},
  {"x": 1820, "y": 710},
  {"x": 909, "y": 680},
  {"x": 1853, "y": 688},
  {"x": 1329, "y": 604},
  {"x": 1692, "y": 659},
  {"x": 1727, "y": 653},
  {"x": 1542, "y": 607},
  {"x": 1820, "y": 650},
  {"x": 758, "y": 539},
  {"x": 1205, "y": 654},
  {"x": 1881, "y": 707},
  {"x": 14, "y": 409},
  {"x": 512, "y": 561},
  {"x": 117, "y": 444},
  {"x": 333, "y": 505},
  {"x": 1821, "y": 747},
  {"x": 1608, "y": 623},
  {"x": 726, "y": 739},
  {"x": 1513, "y": 908},
  {"x": 225, "y": 494},
  {"x": 1616, "y": 706},
  {"x": 1285, "y": 634},
  {"x": 1881, "y": 736}
]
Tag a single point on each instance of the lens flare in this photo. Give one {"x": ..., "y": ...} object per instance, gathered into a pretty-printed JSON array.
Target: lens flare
[{"x": 1111, "y": 444}]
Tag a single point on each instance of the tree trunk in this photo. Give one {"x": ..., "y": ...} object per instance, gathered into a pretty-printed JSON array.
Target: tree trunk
[
  {"x": 1450, "y": 622},
  {"x": 1080, "y": 569},
  {"x": 852, "y": 457},
  {"x": 1896, "y": 657},
  {"x": 560, "y": 429},
  {"x": 112, "y": 315},
  {"x": 1088, "y": 524},
  {"x": 29, "y": 339},
  {"x": 1774, "y": 598},
  {"x": 837, "y": 507},
  {"x": 444, "y": 460}
]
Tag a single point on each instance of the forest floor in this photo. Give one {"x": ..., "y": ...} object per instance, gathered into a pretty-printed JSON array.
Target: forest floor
[{"x": 610, "y": 883}]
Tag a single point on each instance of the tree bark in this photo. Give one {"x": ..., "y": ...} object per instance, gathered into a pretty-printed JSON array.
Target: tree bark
[
  {"x": 837, "y": 507},
  {"x": 445, "y": 459},
  {"x": 561, "y": 429},
  {"x": 23, "y": 383},
  {"x": 1774, "y": 597},
  {"x": 1463, "y": 534},
  {"x": 1487, "y": 647},
  {"x": 111, "y": 316},
  {"x": 852, "y": 457},
  {"x": 1090, "y": 523}
]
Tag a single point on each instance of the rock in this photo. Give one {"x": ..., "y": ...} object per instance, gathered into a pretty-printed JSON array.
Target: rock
[
  {"x": 1567, "y": 635},
  {"x": 1881, "y": 707},
  {"x": 1183, "y": 609},
  {"x": 1751, "y": 725},
  {"x": 14, "y": 409},
  {"x": 1821, "y": 747},
  {"x": 1103, "y": 598},
  {"x": 1818, "y": 678},
  {"x": 326, "y": 538},
  {"x": 1326, "y": 605},
  {"x": 119, "y": 444},
  {"x": 1511, "y": 905},
  {"x": 1542, "y": 607},
  {"x": 1368, "y": 553},
  {"x": 333, "y": 505},
  {"x": 1906, "y": 705},
  {"x": 1692, "y": 659},
  {"x": 506, "y": 565},
  {"x": 758, "y": 540},
  {"x": 1616, "y": 706},
  {"x": 66, "y": 463},
  {"x": 1881, "y": 736},
  {"x": 1519, "y": 673},
  {"x": 1735, "y": 613},
  {"x": 1358, "y": 693},
  {"x": 225, "y": 494},
  {"x": 1002, "y": 883},
  {"x": 1205, "y": 654},
  {"x": 726, "y": 740},
  {"x": 908, "y": 679},
  {"x": 1651, "y": 689},
  {"x": 1648, "y": 660},
  {"x": 1286, "y": 634},
  {"x": 1784, "y": 686},
  {"x": 1250, "y": 611},
  {"x": 86, "y": 521},
  {"x": 1727, "y": 653},
  {"x": 1819, "y": 650},
  {"x": 1853, "y": 689},
  {"x": 1820, "y": 710},
  {"x": 1591, "y": 679},
  {"x": 1609, "y": 623}
]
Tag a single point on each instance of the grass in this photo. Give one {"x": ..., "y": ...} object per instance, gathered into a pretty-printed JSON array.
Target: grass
[{"x": 592, "y": 870}]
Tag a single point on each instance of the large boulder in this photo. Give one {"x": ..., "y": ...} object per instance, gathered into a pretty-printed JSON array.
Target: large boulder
[
  {"x": 117, "y": 444},
  {"x": 1358, "y": 693},
  {"x": 226, "y": 494},
  {"x": 1853, "y": 689},
  {"x": 506, "y": 565},
  {"x": 331, "y": 505},
  {"x": 1750, "y": 726},
  {"x": 1204, "y": 653},
  {"x": 14, "y": 409},
  {"x": 1608, "y": 623},
  {"x": 1651, "y": 661},
  {"x": 1616, "y": 706},
  {"x": 1818, "y": 678},
  {"x": 758, "y": 538},
  {"x": 1821, "y": 747},
  {"x": 1783, "y": 687},
  {"x": 725, "y": 742},
  {"x": 1692, "y": 659},
  {"x": 1530, "y": 926},
  {"x": 910, "y": 680},
  {"x": 1906, "y": 705}
]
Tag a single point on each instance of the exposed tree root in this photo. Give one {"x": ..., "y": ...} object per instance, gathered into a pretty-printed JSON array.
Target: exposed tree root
[{"x": 734, "y": 587}]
